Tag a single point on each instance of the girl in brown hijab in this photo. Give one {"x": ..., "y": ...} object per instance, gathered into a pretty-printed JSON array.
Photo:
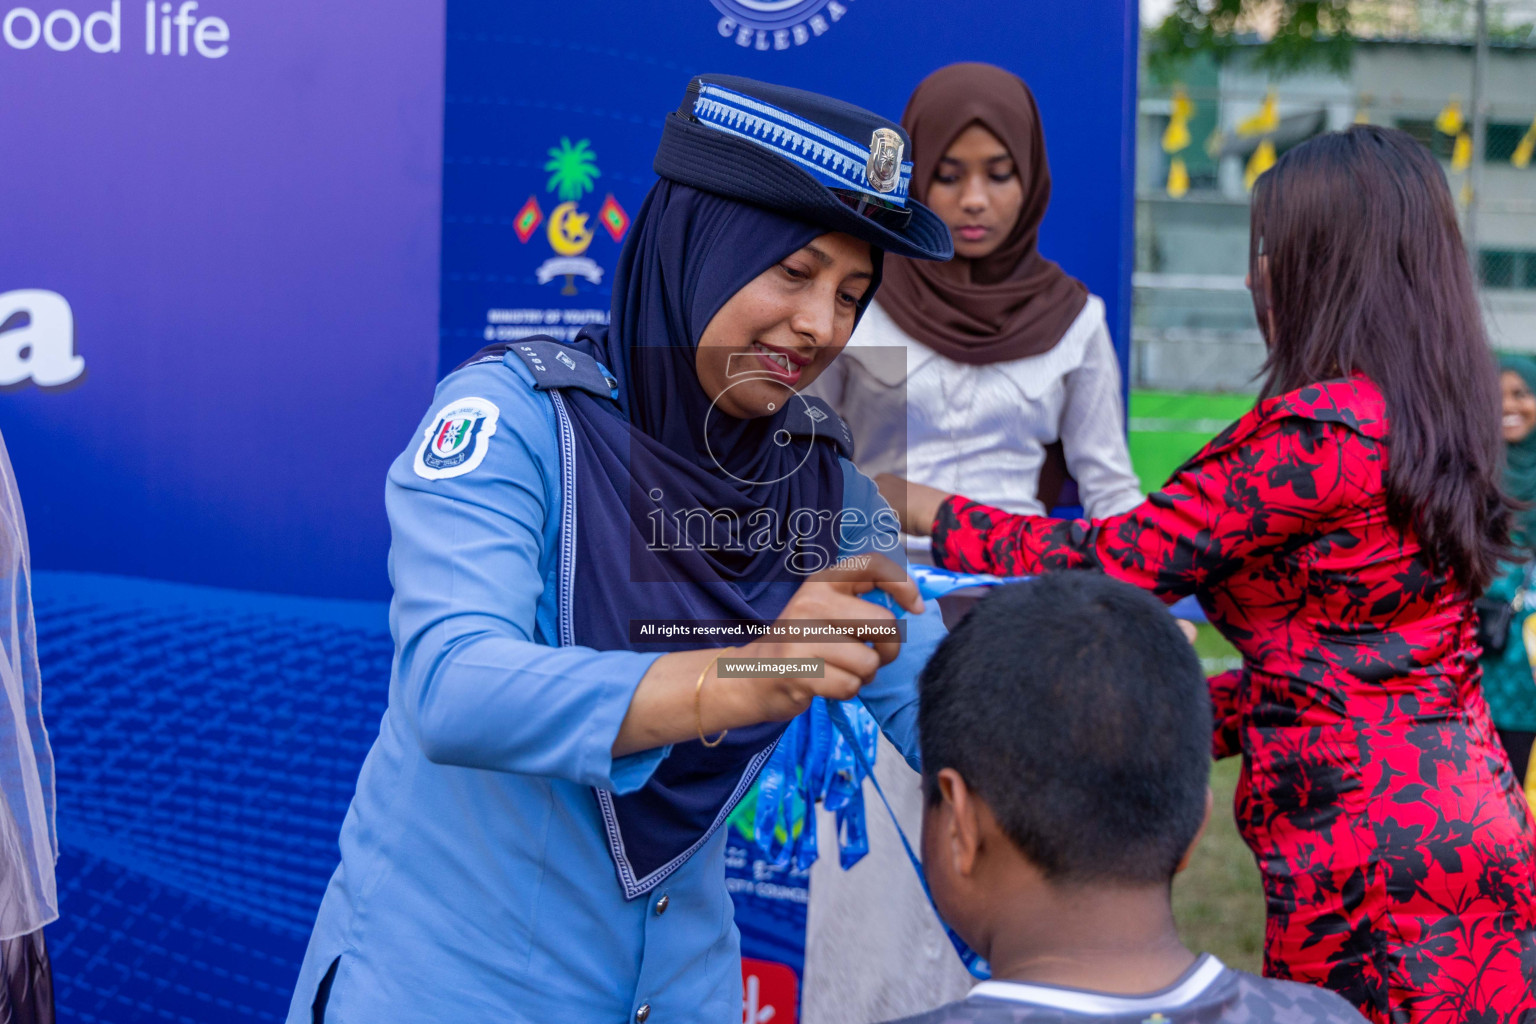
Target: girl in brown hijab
[
  {"x": 999, "y": 299},
  {"x": 961, "y": 376}
]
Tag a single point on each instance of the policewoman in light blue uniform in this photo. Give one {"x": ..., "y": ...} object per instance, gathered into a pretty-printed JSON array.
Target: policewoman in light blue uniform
[{"x": 536, "y": 834}]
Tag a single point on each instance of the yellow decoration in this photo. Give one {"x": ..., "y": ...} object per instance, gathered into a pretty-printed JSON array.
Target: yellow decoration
[
  {"x": 1262, "y": 160},
  {"x": 1466, "y": 193},
  {"x": 568, "y": 233},
  {"x": 1449, "y": 121},
  {"x": 1524, "y": 151},
  {"x": 1265, "y": 121},
  {"x": 1178, "y": 178},
  {"x": 1176, "y": 136},
  {"x": 1461, "y": 156},
  {"x": 1362, "y": 116},
  {"x": 1183, "y": 107}
]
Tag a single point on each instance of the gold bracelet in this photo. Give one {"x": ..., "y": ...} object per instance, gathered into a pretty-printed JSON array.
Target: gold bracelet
[{"x": 698, "y": 706}]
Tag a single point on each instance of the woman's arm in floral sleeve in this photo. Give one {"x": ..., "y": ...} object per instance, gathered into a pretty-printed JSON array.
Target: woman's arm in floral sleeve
[{"x": 1284, "y": 480}]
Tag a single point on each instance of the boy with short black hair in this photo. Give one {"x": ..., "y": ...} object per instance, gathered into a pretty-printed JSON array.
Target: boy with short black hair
[{"x": 1066, "y": 734}]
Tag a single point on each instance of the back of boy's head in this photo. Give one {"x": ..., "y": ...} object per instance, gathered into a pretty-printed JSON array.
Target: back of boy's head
[{"x": 1076, "y": 709}]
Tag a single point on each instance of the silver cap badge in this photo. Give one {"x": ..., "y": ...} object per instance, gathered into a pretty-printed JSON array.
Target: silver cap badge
[{"x": 884, "y": 166}]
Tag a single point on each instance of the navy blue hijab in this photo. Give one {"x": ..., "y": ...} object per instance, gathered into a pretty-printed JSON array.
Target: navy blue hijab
[{"x": 662, "y": 451}]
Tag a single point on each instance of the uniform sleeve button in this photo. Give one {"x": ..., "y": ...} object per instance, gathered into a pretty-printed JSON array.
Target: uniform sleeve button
[
  {"x": 643, "y": 1014},
  {"x": 662, "y": 904}
]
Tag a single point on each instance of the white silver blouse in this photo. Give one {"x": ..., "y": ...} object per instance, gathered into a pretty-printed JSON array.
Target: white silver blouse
[{"x": 981, "y": 431}]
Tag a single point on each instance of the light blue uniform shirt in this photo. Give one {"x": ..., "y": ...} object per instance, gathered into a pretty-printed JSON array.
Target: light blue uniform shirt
[{"x": 475, "y": 882}]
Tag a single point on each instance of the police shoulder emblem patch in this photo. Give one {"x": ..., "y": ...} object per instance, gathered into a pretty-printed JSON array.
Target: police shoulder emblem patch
[{"x": 457, "y": 438}]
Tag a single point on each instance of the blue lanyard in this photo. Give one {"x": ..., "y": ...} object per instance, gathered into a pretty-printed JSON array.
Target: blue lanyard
[
  {"x": 825, "y": 754},
  {"x": 813, "y": 763},
  {"x": 932, "y": 584},
  {"x": 968, "y": 956}
]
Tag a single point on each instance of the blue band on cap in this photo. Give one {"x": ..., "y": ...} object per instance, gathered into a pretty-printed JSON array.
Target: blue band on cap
[{"x": 834, "y": 160}]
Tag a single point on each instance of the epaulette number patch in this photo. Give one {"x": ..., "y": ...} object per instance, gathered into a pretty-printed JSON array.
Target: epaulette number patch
[{"x": 457, "y": 439}]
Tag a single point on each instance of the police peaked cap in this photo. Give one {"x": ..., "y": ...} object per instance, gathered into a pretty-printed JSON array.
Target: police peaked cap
[{"x": 810, "y": 157}]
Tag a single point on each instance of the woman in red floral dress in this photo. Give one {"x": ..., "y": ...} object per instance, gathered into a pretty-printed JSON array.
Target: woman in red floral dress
[{"x": 1336, "y": 535}]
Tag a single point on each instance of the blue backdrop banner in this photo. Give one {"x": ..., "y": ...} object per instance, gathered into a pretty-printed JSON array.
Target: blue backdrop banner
[
  {"x": 218, "y": 282},
  {"x": 553, "y": 113}
]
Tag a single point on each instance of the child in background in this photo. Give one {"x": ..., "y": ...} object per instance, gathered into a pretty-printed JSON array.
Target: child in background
[{"x": 1065, "y": 729}]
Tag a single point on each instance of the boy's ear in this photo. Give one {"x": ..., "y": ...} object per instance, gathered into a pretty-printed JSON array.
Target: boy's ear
[
  {"x": 1199, "y": 833},
  {"x": 963, "y": 838}
]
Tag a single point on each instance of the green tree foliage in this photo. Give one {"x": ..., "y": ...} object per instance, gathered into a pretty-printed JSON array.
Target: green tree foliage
[{"x": 1284, "y": 36}]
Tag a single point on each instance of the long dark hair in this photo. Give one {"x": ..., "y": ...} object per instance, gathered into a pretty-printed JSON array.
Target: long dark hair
[{"x": 1367, "y": 273}]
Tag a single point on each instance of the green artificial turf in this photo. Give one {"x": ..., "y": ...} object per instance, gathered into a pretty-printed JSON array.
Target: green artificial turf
[{"x": 1167, "y": 428}]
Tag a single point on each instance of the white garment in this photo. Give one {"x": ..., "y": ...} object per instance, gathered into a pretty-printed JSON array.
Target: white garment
[
  {"x": 1195, "y": 983},
  {"x": 874, "y": 948},
  {"x": 29, "y": 843},
  {"x": 981, "y": 431}
]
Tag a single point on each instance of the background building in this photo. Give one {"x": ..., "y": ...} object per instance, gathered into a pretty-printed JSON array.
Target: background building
[{"x": 1193, "y": 326}]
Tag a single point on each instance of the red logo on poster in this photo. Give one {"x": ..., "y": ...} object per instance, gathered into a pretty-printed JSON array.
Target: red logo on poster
[
  {"x": 768, "y": 992},
  {"x": 527, "y": 219},
  {"x": 613, "y": 217}
]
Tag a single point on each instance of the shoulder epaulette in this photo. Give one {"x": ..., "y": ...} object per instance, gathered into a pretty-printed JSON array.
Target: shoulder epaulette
[
  {"x": 554, "y": 365},
  {"x": 813, "y": 418}
]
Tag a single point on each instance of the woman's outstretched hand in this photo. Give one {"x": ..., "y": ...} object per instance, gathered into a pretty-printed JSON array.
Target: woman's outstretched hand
[
  {"x": 670, "y": 707},
  {"x": 915, "y": 504}
]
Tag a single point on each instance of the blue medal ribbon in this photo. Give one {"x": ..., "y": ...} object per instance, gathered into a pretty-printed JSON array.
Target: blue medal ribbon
[
  {"x": 973, "y": 960},
  {"x": 814, "y": 763},
  {"x": 773, "y": 790},
  {"x": 932, "y": 584}
]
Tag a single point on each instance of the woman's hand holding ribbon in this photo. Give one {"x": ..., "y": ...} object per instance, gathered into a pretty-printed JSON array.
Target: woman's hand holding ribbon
[{"x": 663, "y": 709}]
